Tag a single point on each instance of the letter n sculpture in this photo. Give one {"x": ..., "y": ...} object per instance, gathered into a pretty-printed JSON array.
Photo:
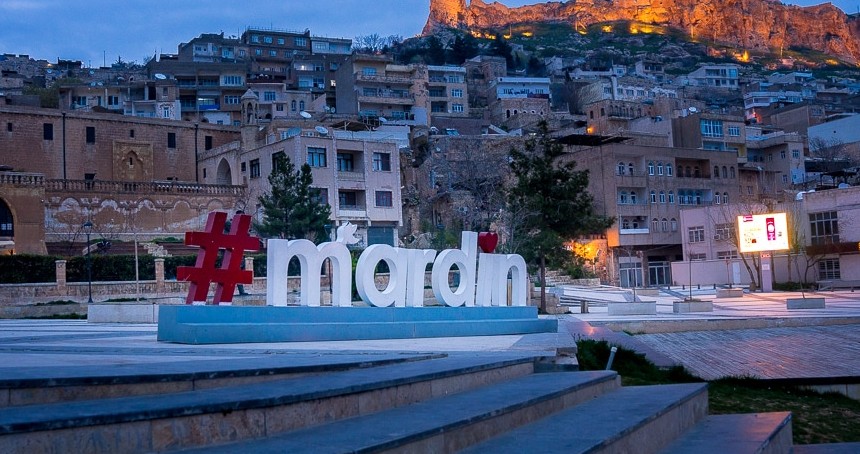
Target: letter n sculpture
[{"x": 206, "y": 271}]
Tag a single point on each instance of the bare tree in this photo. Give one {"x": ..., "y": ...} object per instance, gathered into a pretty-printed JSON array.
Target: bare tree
[{"x": 375, "y": 42}]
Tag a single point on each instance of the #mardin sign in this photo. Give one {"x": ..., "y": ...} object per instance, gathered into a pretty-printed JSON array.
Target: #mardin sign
[{"x": 483, "y": 277}]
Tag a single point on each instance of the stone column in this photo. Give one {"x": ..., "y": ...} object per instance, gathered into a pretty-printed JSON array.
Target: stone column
[
  {"x": 61, "y": 276},
  {"x": 159, "y": 275}
]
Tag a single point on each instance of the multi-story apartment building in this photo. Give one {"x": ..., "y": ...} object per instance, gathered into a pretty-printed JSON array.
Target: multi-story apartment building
[
  {"x": 775, "y": 160},
  {"x": 271, "y": 52},
  {"x": 213, "y": 48},
  {"x": 645, "y": 188},
  {"x": 447, "y": 91},
  {"x": 480, "y": 71},
  {"x": 373, "y": 87},
  {"x": 820, "y": 223},
  {"x": 725, "y": 75},
  {"x": 513, "y": 96},
  {"x": 358, "y": 176},
  {"x": 710, "y": 131},
  {"x": 276, "y": 101}
]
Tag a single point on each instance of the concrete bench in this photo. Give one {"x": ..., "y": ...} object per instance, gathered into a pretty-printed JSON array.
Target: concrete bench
[
  {"x": 730, "y": 292},
  {"x": 839, "y": 283},
  {"x": 640, "y": 308},
  {"x": 804, "y": 303},
  {"x": 683, "y": 307}
]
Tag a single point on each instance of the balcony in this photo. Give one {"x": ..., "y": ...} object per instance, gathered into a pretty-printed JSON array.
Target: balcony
[
  {"x": 634, "y": 231},
  {"x": 633, "y": 209},
  {"x": 346, "y": 212},
  {"x": 387, "y": 98},
  {"x": 376, "y": 78}
]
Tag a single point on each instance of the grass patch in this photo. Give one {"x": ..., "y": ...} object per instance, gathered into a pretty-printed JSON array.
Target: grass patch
[
  {"x": 123, "y": 300},
  {"x": 816, "y": 418},
  {"x": 60, "y": 317}
]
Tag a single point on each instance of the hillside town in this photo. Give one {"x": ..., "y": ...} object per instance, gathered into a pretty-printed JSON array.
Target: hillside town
[{"x": 408, "y": 151}]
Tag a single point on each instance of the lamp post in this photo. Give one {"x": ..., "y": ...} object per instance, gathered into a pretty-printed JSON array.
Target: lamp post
[{"x": 89, "y": 226}]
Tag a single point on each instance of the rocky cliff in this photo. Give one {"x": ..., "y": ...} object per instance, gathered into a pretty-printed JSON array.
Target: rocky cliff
[{"x": 754, "y": 25}]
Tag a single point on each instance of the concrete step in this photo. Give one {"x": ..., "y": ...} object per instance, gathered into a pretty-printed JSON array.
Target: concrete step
[
  {"x": 765, "y": 433},
  {"x": 635, "y": 419},
  {"x": 28, "y": 386},
  {"x": 211, "y": 416},
  {"x": 446, "y": 424}
]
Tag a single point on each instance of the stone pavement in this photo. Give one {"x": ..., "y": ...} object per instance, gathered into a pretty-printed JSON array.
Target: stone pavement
[{"x": 750, "y": 336}]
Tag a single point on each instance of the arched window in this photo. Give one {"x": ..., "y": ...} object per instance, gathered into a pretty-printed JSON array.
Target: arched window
[
  {"x": 660, "y": 168},
  {"x": 688, "y": 172},
  {"x": 674, "y": 225},
  {"x": 623, "y": 198},
  {"x": 662, "y": 197},
  {"x": 302, "y": 106},
  {"x": 625, "y": 223},
  {"x": 654, "y": 224},
  {"x": 668, "y": 169},
  {"x": 672, "y": 197},
  {"x": 633, "y": 197},
  {"x": 717, "y": 198},
  {"x": 508, "y": 113},
  {"x": 653, "y": 197},
  {"x": 716, "y": 172},
  {"x": 732, "y": 172},
  {"x": 630, "y": 167},
  {"x": 7, "y": 223},
  {"x": 650, "y": 168},
  {"x": 725, "y": 172},
  {"x": 620, "y": 168},
  {"x": 602, "y": 112},
  {"x": 665, "y": 224},
  {"x": 293, "y": 105},
  {"x": 725, "y": 198},
  {"x": 696, "y": 173}
]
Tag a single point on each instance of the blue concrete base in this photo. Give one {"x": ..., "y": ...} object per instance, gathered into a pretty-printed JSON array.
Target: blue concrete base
[{"x": 237, "y": 324}]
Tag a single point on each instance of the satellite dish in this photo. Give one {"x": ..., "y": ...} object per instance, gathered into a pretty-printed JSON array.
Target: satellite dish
[
  {"x": 693, "y": 109},
  {"x": 305, "y": 115},
  {"x": 322, "y": 130},
  {"x": 383, "y": 120},
  {"x": 160, "y": 76}
]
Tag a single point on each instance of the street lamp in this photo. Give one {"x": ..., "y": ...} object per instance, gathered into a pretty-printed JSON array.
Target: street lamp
[{"x": 88, "y": 226}]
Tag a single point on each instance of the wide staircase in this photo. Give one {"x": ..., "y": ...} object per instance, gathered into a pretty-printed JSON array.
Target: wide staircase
[{"x": 505, "y": 402}]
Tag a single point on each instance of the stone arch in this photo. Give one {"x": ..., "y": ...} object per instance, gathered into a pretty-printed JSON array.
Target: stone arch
[{"x": 224, "y": 174}]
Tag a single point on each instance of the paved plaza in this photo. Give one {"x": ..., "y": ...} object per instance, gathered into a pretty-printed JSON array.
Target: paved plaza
[{"x": 750, "y": 336}]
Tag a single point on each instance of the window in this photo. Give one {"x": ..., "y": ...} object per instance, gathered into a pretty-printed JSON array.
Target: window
[
  {"x": 457, "y": 108},
  {"x": 828, "y": 269},
  {"x": 273, "y": 53},
  {"x": 620, "y": 168},
  {"x": 785, "y": 179},
  {"x": 824, "y": 227},
  {"x": 725, "y": 172},
  {"x": 9, "y": 127},
  {"x": 232, "y": 80},
  {"x": 782, "y": 154},
  {"x": 301, "y": 42},
  {"x": 669, "y": 170},
  {"x": 734, "y": 131},
  {"x": 716, "y": 171},
  {"x": 281, "y": 41},
  {"x": 255, "y": 39},
  {"x": 725, "y": 198},
  {"x": 724, "y": 232},
  {"x": 91, "y": 134},
  {"x": 630, "y": 168},
  {"x": 302, "y": 105},
  {"x": 316, "y": 157},
  {"x": 383, "y": 199},
  {"x": 131, "y": 133},
  {"x": 258, "y": 52},
  {"x": 654, "y": 224},
  {"x": 345, "y": 162},
  {"x": 457, "y": 92},
  {"x": 659, "y": 168},
  {"x": 113, "y": 100},
  {"x": 732, "y": 172},
  {"x": 698, "y": 257},
  {"x": 79, "y": 101},
  {"x": 255, "y": 168},
  {"x": 674, "y": 223},
  {"x": 320, "y": 195},
  {"x": 267, "y": 39},
  {"x": 696, "y": 234},
  {"x": 232, "y": 99},
  {"x": 207, "y": 142},
  {"x": 277, "y": 157},
  {"x": 662, "y": 197},
  {"x": 727, "y": 255},
  {"x": 664, "y": 224},
  {"x": 795, "y": 154},
  {"x": 672, "y": 197},
  {"x": 47, "y": 131},
  {"x": 711, "y": 128},
  {"x": 382, "y": 162},
  {"x": 347, "y": 199},
  {"x": 171, "y": 140},
  {"x": 650, "y": 168},
  {"x": 368, "y": 71},
  {"x": 622, "y": 198},
  {"x": 653, "y": 197},
  {"x": 268, "y": 96},
  {"x": 293, "y": 105},
  {"x": 243, "y": 167}
]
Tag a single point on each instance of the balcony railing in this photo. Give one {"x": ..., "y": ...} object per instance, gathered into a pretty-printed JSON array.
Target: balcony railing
[
  {"x": 21, "y": 179},
  {"x": 141, "y": 187},
  {"x": 382, "y": 79}
]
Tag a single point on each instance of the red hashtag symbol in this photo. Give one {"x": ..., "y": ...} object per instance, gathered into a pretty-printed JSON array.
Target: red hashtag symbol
[{"x": 211, "y": 242}]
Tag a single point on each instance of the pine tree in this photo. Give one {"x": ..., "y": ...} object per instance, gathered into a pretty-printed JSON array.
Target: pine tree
[
  {"x": 291, "y": 210},
  {"x": 552, "y": 201}
]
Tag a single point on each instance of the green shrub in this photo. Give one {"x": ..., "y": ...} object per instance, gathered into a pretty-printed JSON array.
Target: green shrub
[{"x": 24, "y": 269}]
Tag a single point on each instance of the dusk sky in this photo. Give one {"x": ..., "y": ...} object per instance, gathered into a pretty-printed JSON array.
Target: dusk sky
[{"x": 99, "y": 31}]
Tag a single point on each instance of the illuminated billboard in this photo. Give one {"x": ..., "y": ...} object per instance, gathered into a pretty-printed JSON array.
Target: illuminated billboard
[{"x": 762, "y": 232}]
